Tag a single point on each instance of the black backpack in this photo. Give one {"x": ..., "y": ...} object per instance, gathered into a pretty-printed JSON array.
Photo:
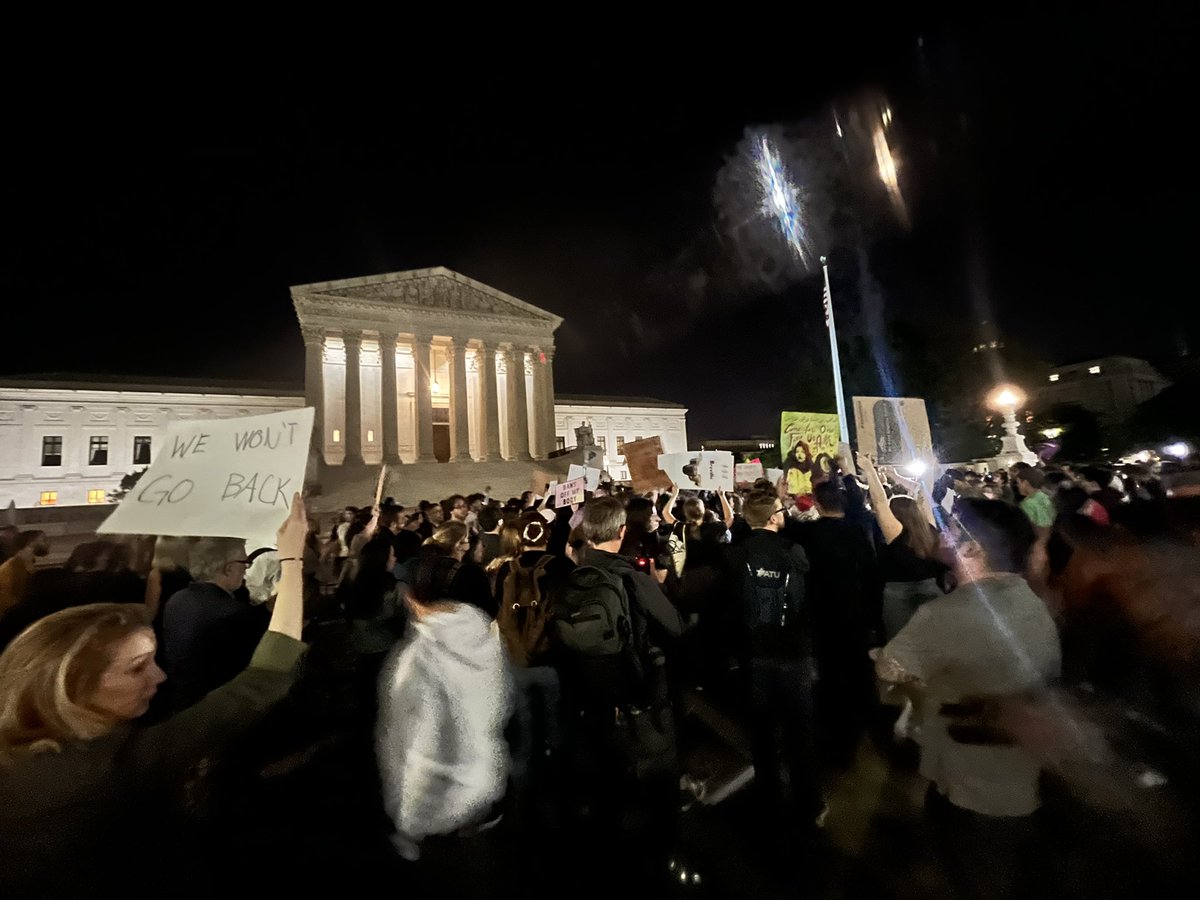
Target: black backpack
[
  {"x": 596, "y": 623},
  {"x": 772, "y": 597}
]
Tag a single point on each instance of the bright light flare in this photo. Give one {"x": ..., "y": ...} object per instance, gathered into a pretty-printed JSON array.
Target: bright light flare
[
  {"x": 781, "y": 199},
  {"x": 1179, "y": 450},
  {"x": 888, "y": 170},
  {"x": 917, "y": 467},
  {"x": 1006, "y": 398}
]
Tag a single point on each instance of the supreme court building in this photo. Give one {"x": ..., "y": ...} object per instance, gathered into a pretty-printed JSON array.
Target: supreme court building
[
  {"x": 426, "y": 366},
  {"x": 415, "y": 369}
]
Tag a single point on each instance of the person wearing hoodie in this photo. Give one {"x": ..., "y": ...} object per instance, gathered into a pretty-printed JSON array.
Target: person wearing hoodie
[{"x": 446, "y": 694}]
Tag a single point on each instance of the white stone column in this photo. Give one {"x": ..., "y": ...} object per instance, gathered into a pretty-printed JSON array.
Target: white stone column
[
  {"x": 518, "y": 406},
  {"x": 353, "y": 342},
  {"x": 387, "y": 397},
  {"x": 543, "y": 398},
  {"x": 314, "y": 384},
  {"x": 421, "y": 367},
  {"x": 460, "y": 433},
  {"x": 491, "y": 404}
]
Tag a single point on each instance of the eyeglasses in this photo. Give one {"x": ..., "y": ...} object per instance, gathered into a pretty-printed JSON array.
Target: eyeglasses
[{"x": 782, "y": 511}]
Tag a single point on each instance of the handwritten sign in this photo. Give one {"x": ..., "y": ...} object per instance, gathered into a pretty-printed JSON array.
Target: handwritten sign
[
  {"x": 747, "y": 473},
  {"x": 894, "y": 431},
  {"x": 590, "y": 476},
  {"x": 569, "y": 492},
  {"x": 220, "y": 478}
]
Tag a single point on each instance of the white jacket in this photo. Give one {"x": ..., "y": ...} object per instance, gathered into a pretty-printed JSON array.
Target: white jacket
[{"x": 445, "y": 696}]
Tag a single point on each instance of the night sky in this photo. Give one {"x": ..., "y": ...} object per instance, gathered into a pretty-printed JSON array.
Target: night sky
[{"x": 1047, "y": 166}]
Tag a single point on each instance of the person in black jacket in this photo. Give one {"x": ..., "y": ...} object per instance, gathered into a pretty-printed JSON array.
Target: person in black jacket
[
  {"x": 766, "y": 577},
  {"x": 844, "y": 597}
]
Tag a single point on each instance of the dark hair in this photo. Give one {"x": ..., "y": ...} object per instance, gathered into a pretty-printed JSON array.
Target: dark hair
[
  {"x": 638, "y": 513},
  {"x": 759, "y": 508},
  {"x": 1035, "y": 478},
  {"x": 1095, "y": 473},
  {"x": 372, "y": 580},
  {"x": 85, "y": 557},
  {"x": 489, "y": 517},
  {"x": 1003, "y": 531},
  {"x": 389, "y": 516},
  {"x": 828, "y": 495},
  {"x": 1057, "y": 478},
  {"x": 534, "y": 532},
  {"x": 449, "y": 503},
  {"x": 475, "y": 498}
]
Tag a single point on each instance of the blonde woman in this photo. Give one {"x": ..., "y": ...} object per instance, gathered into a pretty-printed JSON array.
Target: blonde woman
[{"x": 82, "y": 785}]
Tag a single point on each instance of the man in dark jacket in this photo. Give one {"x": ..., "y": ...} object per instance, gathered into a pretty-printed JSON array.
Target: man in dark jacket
[
  {"x": 766, "y": 579},
  {"x": 208, "y": 634}
]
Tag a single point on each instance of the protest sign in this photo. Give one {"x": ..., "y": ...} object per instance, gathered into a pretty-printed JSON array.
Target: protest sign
[
  {"x": 569, "y": 492},
  {"x": 774, "y": 475},
  {"x": 747, "y": 473},
  {"x": 803, "y": 436},
  {"x": 710, "y": 470},
  {"x": 590, "y": 476},
  {"x": 220, "y": 478},
  {"x": 893, "y": 431},
  {"x": 642, "y": 459}
]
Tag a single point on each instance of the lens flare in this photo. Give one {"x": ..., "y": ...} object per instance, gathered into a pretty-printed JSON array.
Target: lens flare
[{"x": 781, "y": 199}]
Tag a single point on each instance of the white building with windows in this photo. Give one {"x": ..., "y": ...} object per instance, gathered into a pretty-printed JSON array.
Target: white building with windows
[
  {"x": 68, "y": 440},
  {"x": 1112, "y": 387},
  {"x": 615, "y": 420}
]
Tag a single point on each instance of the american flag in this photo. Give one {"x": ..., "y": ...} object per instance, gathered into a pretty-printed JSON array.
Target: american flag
[{"x": 827, "y": 302}]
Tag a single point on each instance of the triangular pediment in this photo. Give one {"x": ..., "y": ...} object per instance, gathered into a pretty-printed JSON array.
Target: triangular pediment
[{"x": 434, "y": 290}]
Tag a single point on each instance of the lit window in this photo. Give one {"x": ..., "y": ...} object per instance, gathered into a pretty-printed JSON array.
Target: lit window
[
  {"x": 1054, "y": 377},
  {"x": 52, "y": 450},
  {"x": 141, "y": 450},
  {"x": 337, "y": 436},
  {"x": 98, "y": 450},
  {"x": 370, "y": 436},
  {"x": 97, "y": 496},
  {"x": 603, "y": 442},
  {"x": 560, "y": 443},
  {"x": 620, "y": 446},
  {"x": 1094, "y": 370},
  {"x": 49, "y": 498}
]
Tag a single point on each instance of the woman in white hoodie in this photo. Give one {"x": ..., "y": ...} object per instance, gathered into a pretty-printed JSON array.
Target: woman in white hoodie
[{"x": 445, "y": 696}]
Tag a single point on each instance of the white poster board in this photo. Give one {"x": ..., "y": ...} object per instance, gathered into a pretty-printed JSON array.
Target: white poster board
[
  {"x": 747, "y": 473},
  {"x": 709, "y": 470},
  {"x": 569, "y": 492},
  {"x": 220, "y": 478},
  {"x": 774, "y": 475},
  {"x": 590, "y": 476}
]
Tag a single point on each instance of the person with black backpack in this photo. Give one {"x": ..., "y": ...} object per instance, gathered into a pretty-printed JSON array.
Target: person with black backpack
[
  {"x": 609, "y": 623},
  {"x": 767, "y": 574}
]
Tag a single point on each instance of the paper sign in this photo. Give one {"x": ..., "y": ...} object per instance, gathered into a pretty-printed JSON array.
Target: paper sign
[
  {"x": 220, "y": 478},
  {"x": 705, "y": 471},
  {"x": 642, "y": 459},
  {"x": 591, "y": 476},
  {"x": 774, "y": 475},
  {"x": 803, "y": 437},
  {"x": 747, "y": 473},
  {"x": 569, "y": 492},
  {"x": 894, "y": 431}
]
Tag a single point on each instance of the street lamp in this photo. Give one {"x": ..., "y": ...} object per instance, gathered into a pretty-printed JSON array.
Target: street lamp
[{"x": 1006, "y": 398}]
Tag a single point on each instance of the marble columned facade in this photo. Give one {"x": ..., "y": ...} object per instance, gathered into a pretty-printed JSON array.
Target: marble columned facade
[{"x": 425, "y": 366}]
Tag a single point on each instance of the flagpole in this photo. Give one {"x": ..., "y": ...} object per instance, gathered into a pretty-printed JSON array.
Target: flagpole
[{"x": 833, "y": 352}]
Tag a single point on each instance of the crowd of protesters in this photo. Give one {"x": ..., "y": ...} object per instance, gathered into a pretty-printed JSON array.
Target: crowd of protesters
[{"x": 510, "y": 675}]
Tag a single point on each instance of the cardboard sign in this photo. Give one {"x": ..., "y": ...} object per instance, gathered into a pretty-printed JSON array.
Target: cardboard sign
[
  {"x": 747, "y": 473},
  {"x": 642, "y": 459},
  {"x": 803, "y": 437},
  {"x": 220, "y": 478},
  {"x": 590, "y": 476},
  {"x": 894, "y": 431},
  {"x": 569, "y": 492},
  {"x": 710, "y": 470}
]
